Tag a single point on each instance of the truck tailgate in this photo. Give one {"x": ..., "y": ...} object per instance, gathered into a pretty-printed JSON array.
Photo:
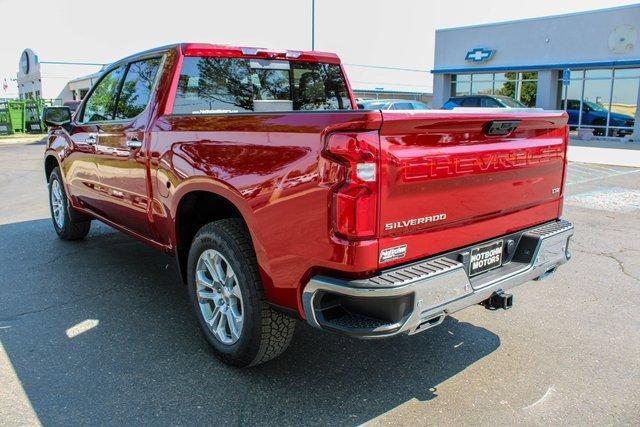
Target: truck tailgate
[{"x": 448, "y": 180}]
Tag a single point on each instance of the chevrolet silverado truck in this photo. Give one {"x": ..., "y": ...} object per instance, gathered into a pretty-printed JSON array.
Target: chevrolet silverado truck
[{"x": 280, "y": 200}]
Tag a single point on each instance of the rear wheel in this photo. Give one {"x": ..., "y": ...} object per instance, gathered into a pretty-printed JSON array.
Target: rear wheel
[
  {"x": 68, "y": 225},
  {"x": 228, "y": 298}
]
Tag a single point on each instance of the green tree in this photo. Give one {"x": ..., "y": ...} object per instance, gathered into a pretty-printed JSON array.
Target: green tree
[{"x": 528, "y": 88}]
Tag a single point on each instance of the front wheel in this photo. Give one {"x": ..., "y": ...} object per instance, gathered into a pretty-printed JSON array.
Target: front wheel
[
  {"x": 599, "y": 131},
  {"x": 68, "y": 225},
  {"x": 228, "y": 298}
]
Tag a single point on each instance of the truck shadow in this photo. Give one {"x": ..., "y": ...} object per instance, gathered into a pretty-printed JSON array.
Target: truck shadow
[{"x": 99, "y": 331}]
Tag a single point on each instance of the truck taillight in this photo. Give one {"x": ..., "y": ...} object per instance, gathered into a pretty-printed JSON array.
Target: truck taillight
[{"x": 355, "y": 192}]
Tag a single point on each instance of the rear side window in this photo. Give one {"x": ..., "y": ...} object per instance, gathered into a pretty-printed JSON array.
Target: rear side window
[
  {"x": 136, "y": 88},
  {"x": 101, "y": 104},
  {"x": 489, "y": 103},
  {"x": 403, "y": 106},
  {"x": 469, "y": 102},
  {"x": 233, "y": 85}
]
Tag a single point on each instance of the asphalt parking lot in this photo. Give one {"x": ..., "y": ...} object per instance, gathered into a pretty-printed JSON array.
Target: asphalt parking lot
[{"x": 100, "y": 332}]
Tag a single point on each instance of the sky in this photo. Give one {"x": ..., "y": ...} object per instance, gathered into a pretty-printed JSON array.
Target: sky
[{"x": 380, "y": 33}]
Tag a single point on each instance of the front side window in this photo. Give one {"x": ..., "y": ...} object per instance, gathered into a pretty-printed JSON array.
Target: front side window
[
  {"x": 510, "y": 102},
  {"x": 101, "y": 104},
  {"x": 231, "y": 85},
  {"x": 375, "y": 105},
  {"x": 573, "y": 105},
  {"x": 136, "y": 88},
  {"x": 592, "y": 106}
]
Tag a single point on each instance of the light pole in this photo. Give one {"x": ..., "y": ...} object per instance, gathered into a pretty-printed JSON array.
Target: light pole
[{"x": 313, "y": 24}]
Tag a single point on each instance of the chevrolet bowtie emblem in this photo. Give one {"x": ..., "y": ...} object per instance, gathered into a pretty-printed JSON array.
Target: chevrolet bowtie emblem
[{"x": 479, "y": 54}]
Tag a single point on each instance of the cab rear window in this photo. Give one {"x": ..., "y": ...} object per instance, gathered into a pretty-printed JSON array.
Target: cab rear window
[{"x": 233, "y": 85}]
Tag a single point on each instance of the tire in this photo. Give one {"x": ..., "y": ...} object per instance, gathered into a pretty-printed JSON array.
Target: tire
[
  {"x": 68, "y": 225},
  {"x": 260, "y": 333},
  {"x": 599, "y": 131}
]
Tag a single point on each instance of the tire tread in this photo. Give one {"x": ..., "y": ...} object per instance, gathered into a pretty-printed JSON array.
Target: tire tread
[
  {"x": 277, "y": 328},
  {"x": 72, "y": 230}
]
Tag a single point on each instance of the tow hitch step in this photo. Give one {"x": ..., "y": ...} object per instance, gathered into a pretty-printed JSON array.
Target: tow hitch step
[{"x": 497, "y": 300}]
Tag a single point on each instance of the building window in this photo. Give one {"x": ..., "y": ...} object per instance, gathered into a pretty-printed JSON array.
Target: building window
[
  {"x": 519, "y": 86},
  {"x": 460, "y": 84},
  {"x": 605, "y": 100}
]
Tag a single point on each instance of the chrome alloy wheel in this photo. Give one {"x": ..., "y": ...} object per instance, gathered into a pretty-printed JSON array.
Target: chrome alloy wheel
[
  {"x": 57, "y": 203},
  {"x": 219, "y": 296}
]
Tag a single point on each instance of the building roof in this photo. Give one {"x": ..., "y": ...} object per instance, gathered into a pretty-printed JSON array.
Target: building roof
[{"x": 540, "y": 18}]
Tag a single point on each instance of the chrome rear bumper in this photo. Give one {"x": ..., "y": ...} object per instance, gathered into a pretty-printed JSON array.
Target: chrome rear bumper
[{"x": 415, "y": 297}]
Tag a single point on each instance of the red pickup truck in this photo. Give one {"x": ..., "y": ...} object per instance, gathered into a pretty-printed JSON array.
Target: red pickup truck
[{"x": 281, "y": 200}]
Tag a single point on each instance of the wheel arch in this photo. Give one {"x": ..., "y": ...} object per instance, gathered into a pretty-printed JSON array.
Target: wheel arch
[
  {"x": 50, "y": 163},
  {"x": 202, "y": 204}
]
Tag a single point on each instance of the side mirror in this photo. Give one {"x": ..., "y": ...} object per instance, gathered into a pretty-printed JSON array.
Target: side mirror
[{"x": 56, "y": 116}]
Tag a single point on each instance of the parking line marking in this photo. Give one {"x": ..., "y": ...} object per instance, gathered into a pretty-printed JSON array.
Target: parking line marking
[
  {"x": 616, "y": 171},
  {"x": 613, "y": 199},
  {"x": 578, "y": 173}
]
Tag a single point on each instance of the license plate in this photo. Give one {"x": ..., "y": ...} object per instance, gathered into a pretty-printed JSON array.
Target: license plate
[{"x": 485, "y": 257}]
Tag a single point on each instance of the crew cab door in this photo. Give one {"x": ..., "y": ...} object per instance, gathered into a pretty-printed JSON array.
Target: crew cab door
[
  {"x": 121, "y": 155},
  {"x": 81, "y": 171}
]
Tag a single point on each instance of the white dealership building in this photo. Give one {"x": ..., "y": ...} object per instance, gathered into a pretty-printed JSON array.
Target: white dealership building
[{"x": 587, "y": 62}]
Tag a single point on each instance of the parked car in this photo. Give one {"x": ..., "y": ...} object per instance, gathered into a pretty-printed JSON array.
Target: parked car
[
  {"x": 281, "y": 201},
  {"x": 391, "y": 104},
  {"x": 483, "y": 101},
  {"x": 594, "y": 115}
]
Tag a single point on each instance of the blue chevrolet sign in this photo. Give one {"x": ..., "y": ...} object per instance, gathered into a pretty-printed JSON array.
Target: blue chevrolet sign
[{"x": 479, "y": 54}]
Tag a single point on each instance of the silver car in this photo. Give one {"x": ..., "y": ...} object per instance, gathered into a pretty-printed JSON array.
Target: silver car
[{"x": 391, "y": 104}]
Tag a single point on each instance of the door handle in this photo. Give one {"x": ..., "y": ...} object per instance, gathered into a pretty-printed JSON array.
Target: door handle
[
  {"x": 134, "y": 144},
  {"x": 91, "y": 140}
]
